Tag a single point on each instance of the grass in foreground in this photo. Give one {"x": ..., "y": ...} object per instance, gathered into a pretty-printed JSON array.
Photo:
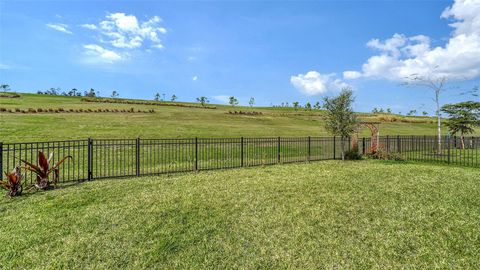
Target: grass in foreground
[{"x": 326, "y": 214}]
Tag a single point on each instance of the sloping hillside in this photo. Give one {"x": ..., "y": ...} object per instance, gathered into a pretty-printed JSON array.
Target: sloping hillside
[{"x": 32, "y": 117}]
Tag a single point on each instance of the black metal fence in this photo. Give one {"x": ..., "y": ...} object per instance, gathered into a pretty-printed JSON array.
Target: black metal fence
[{"x": 105, "y": 158}]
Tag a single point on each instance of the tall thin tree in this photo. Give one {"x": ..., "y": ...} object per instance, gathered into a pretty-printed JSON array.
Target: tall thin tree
[{"x": 437, "y": 85}]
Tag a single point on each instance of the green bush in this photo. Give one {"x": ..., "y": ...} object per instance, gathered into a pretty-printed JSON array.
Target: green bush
[
  {"x": 385, "y": 155},
  {"x": 353, "y": 154}
]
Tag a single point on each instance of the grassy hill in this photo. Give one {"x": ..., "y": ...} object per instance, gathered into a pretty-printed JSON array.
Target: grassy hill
[{"x": 170, "y": 121}]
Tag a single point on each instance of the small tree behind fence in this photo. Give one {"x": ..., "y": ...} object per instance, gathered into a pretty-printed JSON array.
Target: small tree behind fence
[{"x": 106, "y": 158}]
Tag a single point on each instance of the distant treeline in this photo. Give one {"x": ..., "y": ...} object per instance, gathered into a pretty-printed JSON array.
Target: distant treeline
[{"x": 72, "y": 93}]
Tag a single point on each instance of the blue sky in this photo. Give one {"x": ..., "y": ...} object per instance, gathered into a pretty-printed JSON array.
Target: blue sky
[{"x": 273, "y": 51}]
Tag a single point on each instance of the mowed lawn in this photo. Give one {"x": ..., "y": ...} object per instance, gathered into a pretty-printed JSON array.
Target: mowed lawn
[{"x": 329, "y": 214}]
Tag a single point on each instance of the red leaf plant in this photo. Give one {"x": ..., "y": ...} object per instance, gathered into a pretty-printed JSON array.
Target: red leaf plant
[
  {"x": 43, "y": 170},
  {"x": 13, "y": 183}
]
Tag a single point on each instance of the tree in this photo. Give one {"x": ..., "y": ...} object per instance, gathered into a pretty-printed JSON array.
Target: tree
[
  {"x": 232, "y": 101},
  {"x": 5, "y": 87},
  {"x": 90, "y": 93},
  {"x": 317, "y": 106},
  {"x": 463, "y": 118},
  {"x": 389, "y": 111},
  {"x": 157, "y": 97},
  {"x": 424, "y": 113},
  {"x": 341, "y": 119},
  {"x": 72, "y": 92},
  {"x": 296, "y": 105},
  {"x": 308, "y": 106},
  {"x": 53, "y": 91},
  {"x": 375, "y": 110},
  {"x": 437, "y": 85},
  {"x": 173, "y": 98},
  {"x": 202, "y": 100},
  {"x": 115, "y": 94},
  {"x": 251, "y": 102},
  {"x": 412, "y": 112}
]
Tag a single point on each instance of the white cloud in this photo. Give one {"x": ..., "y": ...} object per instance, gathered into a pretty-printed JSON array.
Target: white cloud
[
  {"x": 100, "y": 54},
  {"x": 127, "y": 32},
  {"x": 89, "y": 26},
  {"x": 313, "y": 83},
  {"x": 349, "y": 75},
  {"x": 59, "y": 27},
  {"x": 195, "y": 78},
  {"x": 401, "y": 56},
  {"x": 3, "y": 66}
]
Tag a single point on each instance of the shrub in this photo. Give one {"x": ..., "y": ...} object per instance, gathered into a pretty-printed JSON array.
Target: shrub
[
  {"x": 13, "y": 183},
  {"x": 3, "y": 110},
  {"x": 43, "y": 170},
  {"x": 17, "y": 110},
  {"x": 382, "y": 154},
  {"x": 39, "y": 110},
  {"x": 32, "y": 110},
  {"x": 353, "y": 154}
]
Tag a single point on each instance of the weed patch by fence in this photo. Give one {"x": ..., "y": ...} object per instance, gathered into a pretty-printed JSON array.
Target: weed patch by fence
[{"x": 105, "y": 158}]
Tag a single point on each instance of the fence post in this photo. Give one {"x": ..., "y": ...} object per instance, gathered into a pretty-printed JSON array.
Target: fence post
[
  {"x": 241, "y": 151},
  {"x": 388, "y": 144},
  {"x": 1, "y": 160},
  {"x": 399, "y": 144},
  {"x": 196, "y": 153},
  {"x": 137, "y": 154},
  {"x": 334, "y": 154},
  {"x": 448, "y": 148},
  {"x": 425, "y": 143},
  {"x": 309, "y": 144},
  {"x": 89, "y": 159},
  {"x": 364, "y": 152},
  {"x": 278, "y": 150}
]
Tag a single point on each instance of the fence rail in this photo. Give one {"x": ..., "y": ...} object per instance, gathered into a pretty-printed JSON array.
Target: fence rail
[{"x": 106, "y": 158}]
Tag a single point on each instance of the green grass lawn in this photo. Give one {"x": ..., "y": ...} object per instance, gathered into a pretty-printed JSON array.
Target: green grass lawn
[
  {"x": 328, "y": 214},
  {"x": 172, "y": 122}
]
